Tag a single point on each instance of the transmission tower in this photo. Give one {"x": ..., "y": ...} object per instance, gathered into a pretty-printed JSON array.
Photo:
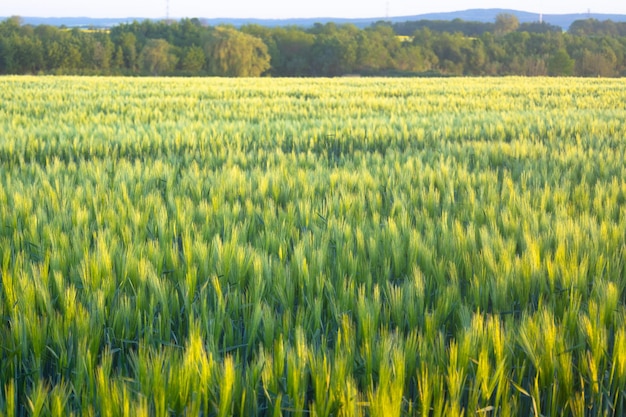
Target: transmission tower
[{"x": 167, "y": 10}]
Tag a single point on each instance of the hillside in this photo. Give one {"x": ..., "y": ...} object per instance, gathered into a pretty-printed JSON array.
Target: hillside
[{"x": 478, "y": 15}]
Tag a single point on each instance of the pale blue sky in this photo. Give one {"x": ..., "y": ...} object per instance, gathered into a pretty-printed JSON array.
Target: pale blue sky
[{"x": 287, "y": 8}]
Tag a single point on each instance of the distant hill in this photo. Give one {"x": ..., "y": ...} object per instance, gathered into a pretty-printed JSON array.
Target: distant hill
[
  {"x": 475, "y": 15},
  {"x": 489, "y": 15}
]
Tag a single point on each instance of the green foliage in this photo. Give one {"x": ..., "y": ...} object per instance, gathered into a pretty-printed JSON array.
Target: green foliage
[
  {"x": 232, "y": 53},
  {"x": 193, "y": 59},
  {"x": 289, "y": 48},
  {"x": 336, "y": 247},
  {"x": 505, "y": 23},
  {"x": 157, "y": 58},
  {"x": 335, "y": 50},
  {"x": 427, "y": 48},
  {"x": 128, "y": 43},
  {"x": 561, "y": 64}
]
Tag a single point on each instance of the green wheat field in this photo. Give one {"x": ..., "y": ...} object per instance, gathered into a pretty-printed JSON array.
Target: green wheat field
[{"x": 312, "y": 247}]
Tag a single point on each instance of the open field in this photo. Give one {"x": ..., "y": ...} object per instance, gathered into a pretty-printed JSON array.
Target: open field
[{"x": 296, "y": 247}]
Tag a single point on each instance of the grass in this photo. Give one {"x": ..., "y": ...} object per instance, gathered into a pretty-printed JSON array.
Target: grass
[{"x": 350, "y": 247}]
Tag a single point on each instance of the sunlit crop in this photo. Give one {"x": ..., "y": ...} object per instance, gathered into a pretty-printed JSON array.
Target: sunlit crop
[{"x": 328, "y": 247}]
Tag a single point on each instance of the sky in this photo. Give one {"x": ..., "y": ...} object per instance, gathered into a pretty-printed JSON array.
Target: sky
[{"x": 280, "y": 9}]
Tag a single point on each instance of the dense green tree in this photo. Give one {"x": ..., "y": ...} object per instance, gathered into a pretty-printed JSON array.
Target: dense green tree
[
  {"x": 293, "y": 48},
  {"x": 376, "y": 48},
  {"x": 561, "y": 64},
  {"x": 594, "y": 27},
  {"x": 157, "y": 57},
  {"x": 596, "y": 64},
  {"x": 534, "y": 67},
  {"x": 424, "y": 38},
  {"x": 21, "y": 54},
  {"x": 128, "y": 43},
  {"x": 505, "y": 23},
  {"x": 590, "y": 48},
  {"x": 597, "y": 56},
  {"x": 471, "y": 29},
  {"x": 452, "y": 51},
  {"x": 288, "y": 47},
  {"x": 335, "y": 50},
  {"x": 118, "y": 59},
  {"x": 62, "y": 49},
  {"x": 10, "y": 26},
  {"x": 232, "y": 53},
  {"x": 103, "y": 53},
  {"x": 516, "y": 43},
  {"x": 187, "y": 33},
  {"x": 193, "y": 59},
  {"x": 476, "y": 57},
  {"x": 584, "y": 27},
  {"x": 495, "y": 49},
  {"x": 96, "y": 50},
  {"x": 411, "y": 59},
  {"x": 267, "y": 36},
  {"x": 538, "y": 27}
]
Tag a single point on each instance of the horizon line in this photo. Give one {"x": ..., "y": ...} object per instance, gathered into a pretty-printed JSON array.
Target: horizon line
[{"x": 381, "y": 18}]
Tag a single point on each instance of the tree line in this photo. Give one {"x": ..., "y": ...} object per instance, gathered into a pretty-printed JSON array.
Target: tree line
[{"x": 187, "y": 47}]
